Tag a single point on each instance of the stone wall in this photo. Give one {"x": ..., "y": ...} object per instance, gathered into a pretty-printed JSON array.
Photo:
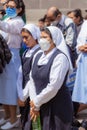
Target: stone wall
[{"x": 36, "y": 9}]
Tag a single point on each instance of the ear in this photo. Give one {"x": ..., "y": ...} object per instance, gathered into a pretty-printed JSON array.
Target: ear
[
  {"x": 19, "y": 10},
  {"x": 59, "y": 16}
]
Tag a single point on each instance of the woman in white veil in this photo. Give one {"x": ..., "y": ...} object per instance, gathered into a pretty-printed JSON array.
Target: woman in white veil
[
  {"x": 47, "y": 79},
  {"x": 60, "y": 42}
]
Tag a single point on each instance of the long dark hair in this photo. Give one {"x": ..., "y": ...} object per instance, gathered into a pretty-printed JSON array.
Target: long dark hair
[
  {"x": 78, "y": 13},
  {"x": 19, "y": 4}
]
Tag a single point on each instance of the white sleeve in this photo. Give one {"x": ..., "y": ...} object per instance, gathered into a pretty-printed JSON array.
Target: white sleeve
[
  {"x": 26, "y": 91},
  {"x": 32, "y": 90},
  {"x": 58, "y": 72},
  {"x": 19, "y": 84},
  {"x": 82, "y": 37},
  {"x": 29, "y": 90},
  {"x": 13, "y": 27}
]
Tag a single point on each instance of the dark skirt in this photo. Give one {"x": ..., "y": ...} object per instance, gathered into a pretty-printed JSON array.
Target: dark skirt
[
  {"x": 51, "y": 121},
  {"x": 28, "y": 124}
]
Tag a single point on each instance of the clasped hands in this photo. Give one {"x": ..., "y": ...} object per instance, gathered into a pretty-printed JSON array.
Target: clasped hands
[
  {"x": 83, "y": 48},
  {"x": 33, "y": 113}
]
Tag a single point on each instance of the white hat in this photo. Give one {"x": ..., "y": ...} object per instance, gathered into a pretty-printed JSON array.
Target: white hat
[
  {"x": 34, "y": 30},
  {"x": 59, "y": 41}
]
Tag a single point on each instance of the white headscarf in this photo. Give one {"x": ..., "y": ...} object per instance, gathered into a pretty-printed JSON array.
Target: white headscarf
[
  {"x": 59, "y": 41},
  {"x": 34, "y": 30}
]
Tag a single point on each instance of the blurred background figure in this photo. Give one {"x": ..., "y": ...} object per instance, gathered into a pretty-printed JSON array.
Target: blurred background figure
[
  {"x": 67, "y": 27},
  {"x": 85, "y": 17},
  {"x": 41, "y": 23},
  {"x": 3, "y": 4},
  {"x": 76, "y": 16}
]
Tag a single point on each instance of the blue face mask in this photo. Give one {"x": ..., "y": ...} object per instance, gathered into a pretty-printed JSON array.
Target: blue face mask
[{"x": 11, "y": 12}]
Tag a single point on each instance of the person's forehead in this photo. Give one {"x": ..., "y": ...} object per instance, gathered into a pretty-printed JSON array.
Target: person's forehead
[
  {"x": 12, "y": 4},
  {"x": 50, "y": 13},
  {"x": 71, "y": 15}
]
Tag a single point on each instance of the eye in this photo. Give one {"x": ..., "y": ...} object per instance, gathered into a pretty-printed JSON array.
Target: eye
[{"x": 9, "y": 6}]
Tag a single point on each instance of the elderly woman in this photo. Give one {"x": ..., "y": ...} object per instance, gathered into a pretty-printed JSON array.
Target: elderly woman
[
  {"x": 30, "y": 34},
  {"x": 48, "y": 94}
]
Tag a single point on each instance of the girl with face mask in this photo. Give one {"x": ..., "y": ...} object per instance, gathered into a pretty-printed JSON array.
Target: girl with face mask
[
  {"x": 8, "y": 79},
  {"x": 47, "y": 90}
]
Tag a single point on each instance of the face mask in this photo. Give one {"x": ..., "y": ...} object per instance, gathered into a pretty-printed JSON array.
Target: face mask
[
  {"x": 44, "y": 44},
  {"x": 11, "y": 12},
  {"x": 54, "y": 23}
]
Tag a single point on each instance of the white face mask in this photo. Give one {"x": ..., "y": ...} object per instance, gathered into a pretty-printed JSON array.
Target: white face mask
[{"x": 44, "y": 44}]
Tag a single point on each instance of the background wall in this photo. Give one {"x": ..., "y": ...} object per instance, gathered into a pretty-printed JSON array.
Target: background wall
[{"x": 36, "y": 9}]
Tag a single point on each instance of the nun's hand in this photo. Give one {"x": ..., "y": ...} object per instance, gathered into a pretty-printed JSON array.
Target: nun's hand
[
  {"x": 83, "y": 48},
  {"x": 21, "y": 103},
  {"x": 33, "y": 113}
]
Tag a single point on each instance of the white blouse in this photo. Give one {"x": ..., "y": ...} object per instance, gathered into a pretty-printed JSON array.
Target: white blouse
[
  {"x": 58, "y": 72},
  {"x": 82, "y": 37},
  {"x": 13, "y": 27}
]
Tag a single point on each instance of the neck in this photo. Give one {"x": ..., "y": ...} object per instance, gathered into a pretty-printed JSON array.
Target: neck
[{"x": 46, "y": 52}]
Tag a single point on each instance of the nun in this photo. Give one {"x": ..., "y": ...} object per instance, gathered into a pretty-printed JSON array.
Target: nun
[
  {"x": 30, "y": 34},
  {"x": 48, "y": 93}
]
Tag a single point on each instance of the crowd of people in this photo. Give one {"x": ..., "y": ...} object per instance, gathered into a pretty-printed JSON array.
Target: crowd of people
[{"x": 36, "y": 61}]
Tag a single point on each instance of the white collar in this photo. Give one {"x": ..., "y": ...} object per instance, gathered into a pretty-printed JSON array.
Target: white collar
[
  {"x": 30, "y": 51},
  {"x": 45, "y": 58}
]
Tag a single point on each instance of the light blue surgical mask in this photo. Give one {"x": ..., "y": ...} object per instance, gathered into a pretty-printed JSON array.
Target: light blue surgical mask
[{"x": 11, "y": 12}]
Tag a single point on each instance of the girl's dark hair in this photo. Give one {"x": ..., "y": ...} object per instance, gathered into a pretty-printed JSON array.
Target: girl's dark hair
[
  {"x": 78, "y": 13},
  {"x": 56, "y": 12},
  {"x": 47, "y": 31},
  {"x": 5, "y": 53},
  {"x": 19, "y": 4}
]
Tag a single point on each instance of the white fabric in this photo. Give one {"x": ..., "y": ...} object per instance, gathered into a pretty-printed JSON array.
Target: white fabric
[
  {"x": 80, "y": 86},
  {"x": 4, "y": 34},
  {"x": 13, "y": 28},
  {"x": 45, "y": 58},
  {"x": 82, "y": 39},
  {"x": 58, "y": 39},
  {"x": 34, "y": 30}
]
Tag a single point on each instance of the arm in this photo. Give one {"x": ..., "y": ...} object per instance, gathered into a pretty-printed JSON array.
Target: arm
[
  {"x": 22, "y": 93},
  {"x": 70, "y": 33},
  {"x": 13, "y": 26},
  {"x": 19, "y": 84},
  {"x": 82, "y": 39}
]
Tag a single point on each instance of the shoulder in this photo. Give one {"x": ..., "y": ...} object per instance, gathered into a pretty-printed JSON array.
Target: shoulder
[
  {"x": 84, "y": 23},
  {"x": 17, "y": 19},
  {"x": 61, "y": 57}
]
